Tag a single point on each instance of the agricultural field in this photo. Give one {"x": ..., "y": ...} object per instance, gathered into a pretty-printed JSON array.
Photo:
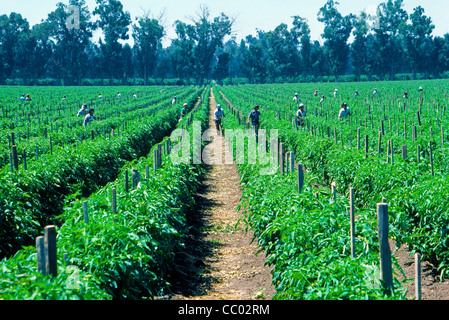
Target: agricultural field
[
  {"x": 125, "y": 255},
  {"x": 120, "y": 204},
  {"x": 391, "y": 149}
]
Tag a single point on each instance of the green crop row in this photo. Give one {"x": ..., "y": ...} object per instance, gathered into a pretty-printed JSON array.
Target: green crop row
[
  {"x": 36, "y": 130},
  {"x": 416, "y": 197},
  {"x": 307, "y": 240},
  {"x": 33, "y": 198},
  {"x": 126, "y": 255}
]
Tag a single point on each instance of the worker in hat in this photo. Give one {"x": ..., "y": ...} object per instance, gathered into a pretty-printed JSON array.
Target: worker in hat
[
  {"x": 296, "y": 98},
  {"x": 184, "y": 111},
  {"x": 344, "y": 111},
  {"x": 82, "y": 111},
  {"x": 89, "y": 118},
  {"x": 254, "y": 117},
  {"x": 219, "y": 115},
  {"x": 300, "y": 115}
]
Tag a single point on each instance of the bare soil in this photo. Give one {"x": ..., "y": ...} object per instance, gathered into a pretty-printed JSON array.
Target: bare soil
[
  {"x": 221, "y": 262},
  {"x": 432, "y": 288}
]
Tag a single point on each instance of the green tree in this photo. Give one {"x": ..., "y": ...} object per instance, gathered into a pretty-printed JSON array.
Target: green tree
[
  {"x": 283, "y": 58},
  {"x": 115, "y": 25},
  {"x": 13, "y": 30},
  {"x": 148, "y": 35},
  {"x": 419, "y": 42},
  {"x": 337, "y": 30},
  {"x": 302, "y": 32},
  {"x": 359, "y": 50},
  {"x": 69, "y": 58},
  {"x": 254, "y": 61},
  {"x": 183, "y": 60},
  {"x": 198, "y": 43},
  {"x": 221, "y": 70},
  {"x": 390, "y": 31}
]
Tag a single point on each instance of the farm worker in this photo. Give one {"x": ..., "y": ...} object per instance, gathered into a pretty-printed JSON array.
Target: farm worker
[
  {"x": 174, "y": 100},
  {"x": 420, "y": 89},
  {"x": 405, "y": 95},
  {"x": 356, "y": 93},
  {"x": 64, "y": 98},
  {"x": 254, "y": 116},
  {"x": 300, "y": 114},
  {"x": 375, "y": 92},
  {"x": 219, "y": 115},
  {"x": 344, "y": 111},
  {"x": 89, "y": 118},
  {"x": 82, "y": 111},
  {"x": 28, "y": 98},
  {"x": 315, "y": 94},
  {"x": 22, "y": 98},
  {"x": 119, "y": 95},
  {"x": 296, "y": 98},
  {"x": 322, "y": 100},
  {"x": 184, "y": 111},
  {"x": 134, "y": 96},
  {"x": 335, "y": 93},
  {"x": 100, "y": 96}
]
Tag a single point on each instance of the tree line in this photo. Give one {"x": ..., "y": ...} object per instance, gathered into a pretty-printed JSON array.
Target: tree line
[{"x": 392, "y": 44}]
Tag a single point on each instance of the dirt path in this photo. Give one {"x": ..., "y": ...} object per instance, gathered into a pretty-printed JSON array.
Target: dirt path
[
  {"x": 222, "y": 261},
  {"x": 431, "y": 286}
]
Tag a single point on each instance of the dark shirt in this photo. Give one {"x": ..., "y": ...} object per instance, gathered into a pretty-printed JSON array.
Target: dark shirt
[{"x": 254, "y": 116}]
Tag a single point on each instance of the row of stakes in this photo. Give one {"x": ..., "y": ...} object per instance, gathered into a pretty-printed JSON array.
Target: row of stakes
[{"x": 46, "y": 247}]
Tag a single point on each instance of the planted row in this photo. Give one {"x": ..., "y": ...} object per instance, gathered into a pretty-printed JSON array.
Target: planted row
[
  {"x": 306, "y": 237},
  {"x": 126, "y": 254},
  {"x": 34, "y": 198}
]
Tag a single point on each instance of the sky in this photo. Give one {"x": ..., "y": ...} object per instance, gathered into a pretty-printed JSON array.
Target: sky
[{"x": 249, "y": 15}]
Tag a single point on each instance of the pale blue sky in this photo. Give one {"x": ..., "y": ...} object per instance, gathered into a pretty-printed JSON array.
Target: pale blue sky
[{"x": 249, "y": 14}]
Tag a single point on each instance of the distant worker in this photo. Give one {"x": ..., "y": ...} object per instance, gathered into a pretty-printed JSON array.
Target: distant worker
[
  {"x": 219, "y": 115},
  {"x": 300, "y": 115},
  {"x": 134, "y": 96},
  {"x": 254, "y": 116},
  {"x": 322, "y": 100},
  {"x": 100, "y": 96},
  {"x": 64, "y": 98},
  {"x": 28, "y": 98},
  {"x": 296, "y": 98},
  {"x": 375, "y": 92},
  {"x": 184, "y": 111},
  {"x": 119, "y": 95},
  {"x": 344, "y": 111},
  {"x": 82, "y": 111},
  {"x": 405, "y": 96},
  {"x": 335, "y": 93},
  {"x": 175, "y": 99},
  {"x": 22, "y": 98},
  {"x": 420, "y": 89},
  {"x": 315, "y": 93},
  {"x": 356, "y": 94},
  {"x": 89, "y": 118}
]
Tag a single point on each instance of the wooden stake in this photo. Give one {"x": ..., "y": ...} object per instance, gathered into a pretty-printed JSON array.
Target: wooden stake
[
  {"x": 86, "y": 212},
  {"x": 40, "y": 250},
  {"x": 300, "y": 177},
  {"x": 114, "y": 200},
  {"x": 50, "y": 251},
  {"x": 384, "y": 247},
  {"x": 417, "y": 276},
  {"x": 352, "y": 220}
]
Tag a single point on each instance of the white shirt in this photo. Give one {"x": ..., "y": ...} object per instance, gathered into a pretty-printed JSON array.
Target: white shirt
[
  {"x": 219, "y": 113},
  {"x": 343, "y": 113},
  {"x": 300, "y": 113}
]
